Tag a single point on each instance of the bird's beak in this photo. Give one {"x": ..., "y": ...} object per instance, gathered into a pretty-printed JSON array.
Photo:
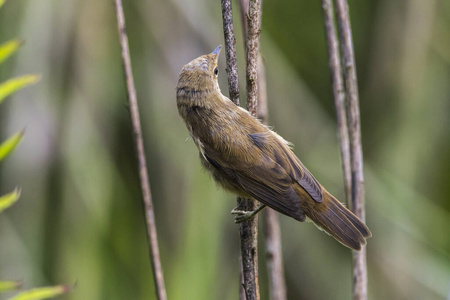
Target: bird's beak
[{"x": 216, "y": 52}]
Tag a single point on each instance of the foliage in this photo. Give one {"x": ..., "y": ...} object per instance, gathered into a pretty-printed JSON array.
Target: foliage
[
  {"x": 42, "y": 293},
  {"x": 9, "y": 285},
  {"x": 9, "y": 199},
  {"x": 12, "y": 85},
  {"x": 10, "y": 144},
  {"x": 8, "y": 48},
  {"x": 7, "y": 88}
]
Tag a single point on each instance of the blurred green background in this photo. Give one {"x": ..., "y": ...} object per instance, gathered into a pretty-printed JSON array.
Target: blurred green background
[{"x": 80, "y": 218}]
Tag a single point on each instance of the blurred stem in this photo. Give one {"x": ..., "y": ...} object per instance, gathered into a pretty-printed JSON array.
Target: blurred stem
[
  {"x": 338, "y": 93},
  {"x": 142, "y": 164},
  {"x": 271, "y": 224},
  {"x": 243, "y": 5},
  {"x": 277, "y": 282},
  {"x": 263, "y": 109},
  {"x": 354, "y": 131},
  {"x": 52, "y": 215}
]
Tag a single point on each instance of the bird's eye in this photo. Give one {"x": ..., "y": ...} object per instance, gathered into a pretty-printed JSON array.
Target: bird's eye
[{"x": 216, "y": 71}]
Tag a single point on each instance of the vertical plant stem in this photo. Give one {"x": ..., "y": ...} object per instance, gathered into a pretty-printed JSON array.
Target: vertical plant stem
[
  {"x": 354, "y": 129},
  {"x": 249, "y": 229},
  {"x": 142, "y": 165},
  {"x": 338, "y": 93},
  {"x": 243, "y": 5},
  {"x": 230, "y": 51},
  {"x": 271, "y": 225},
  {"x": 249, "y": 251},
  {"x": 255, "y": 90},
  {"x": 252, "y": 53},
  {"x": 277, "y": 284},
  {"x": 263, "y": 109},
  {"x": 233, "y": 88}
]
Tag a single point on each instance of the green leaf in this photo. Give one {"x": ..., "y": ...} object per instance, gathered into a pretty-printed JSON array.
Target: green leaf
[
  {"x": 9, "y": 199},
  {"x": 10, "y": 86},
  {"x": 8, "y": 48},
  {"x": 42, "y": 293},
  {"x": 10, "y": 144},
  {"x": 10, "y": 285},
  {"x": 2, "y": 2}
]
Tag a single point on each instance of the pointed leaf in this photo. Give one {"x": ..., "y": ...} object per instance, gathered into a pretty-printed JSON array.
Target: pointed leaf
[
  {"x": 10, "y": 144},
  {"x": 10, "y": 285},
  {"x": 8, "y": 48},
  {"x": 9, "y": 199},
  {"x": 10, "y": 86},
  {"x": 42, "y": 293}
]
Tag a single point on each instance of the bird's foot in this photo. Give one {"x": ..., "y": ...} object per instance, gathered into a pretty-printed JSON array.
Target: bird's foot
[{"x": 242, "y": 215}]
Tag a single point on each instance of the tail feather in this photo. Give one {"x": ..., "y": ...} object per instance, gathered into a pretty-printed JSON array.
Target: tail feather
[
  {"x": 355, "y": 221},
  {"x": 339, "y": 222}
]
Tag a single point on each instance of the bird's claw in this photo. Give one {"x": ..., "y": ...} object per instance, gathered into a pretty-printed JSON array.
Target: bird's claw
[{"x": 242, "y": 216}]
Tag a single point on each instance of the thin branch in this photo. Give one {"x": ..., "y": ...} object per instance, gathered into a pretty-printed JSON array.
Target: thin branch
[
  {"x": 233, "y": 87},
  {"x": 255, "y": 89},
  {"x": 263, "y": 109},
  {"x": 338, "y": 93},
  {"x": 354, "y": 129},
  {"x": 230, "y": 51},
  {"x": 243, "y": 5},
  {"x": 271, "y": 224},
  {"x": 277, "y": 284},
  {"x": 142, "y": 165},
  {"x": 249, "y": 250},
  {"x": 351, "y": 90},
  {"x": 252, "y": 51},
  {"x": 249, "y": 229}
]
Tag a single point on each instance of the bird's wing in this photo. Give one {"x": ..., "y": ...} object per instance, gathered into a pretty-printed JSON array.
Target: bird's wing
[
  {"x": 278, "y": 150},
  {"x": 266, "y": 181},
  {"x": 268, "y": 173}
]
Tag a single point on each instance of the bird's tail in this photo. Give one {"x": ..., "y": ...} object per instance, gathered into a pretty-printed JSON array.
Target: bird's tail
[{"x": 339, "y": 222}]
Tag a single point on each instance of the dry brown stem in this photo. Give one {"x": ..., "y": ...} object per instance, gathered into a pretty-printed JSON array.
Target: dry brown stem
[
  {"x": 338, "y": 93},
  {"x": 230, "y": 51},
  {"x": 252, "y": 51},
  {"x": 140, "y": 153},
  {"x": 249, "y": 229},
  {"x": 277, "y": 284},
  {"x": 351, "y": 148}
]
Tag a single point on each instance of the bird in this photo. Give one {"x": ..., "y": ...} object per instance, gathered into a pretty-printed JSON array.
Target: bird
[{"x": 250, "y": 160}]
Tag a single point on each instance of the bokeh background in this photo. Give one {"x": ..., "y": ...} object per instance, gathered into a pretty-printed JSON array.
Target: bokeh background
[{"x": 80, "y": 221}]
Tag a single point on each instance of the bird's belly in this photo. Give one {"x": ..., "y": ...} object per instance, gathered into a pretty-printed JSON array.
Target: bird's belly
[{"x": 223, "y": 178}]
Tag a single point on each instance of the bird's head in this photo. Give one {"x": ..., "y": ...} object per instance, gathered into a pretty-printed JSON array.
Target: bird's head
[{"x": 200, "y": 75}]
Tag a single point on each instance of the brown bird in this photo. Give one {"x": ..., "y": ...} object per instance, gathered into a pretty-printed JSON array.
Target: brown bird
[{"x": 250, "y": 160}]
